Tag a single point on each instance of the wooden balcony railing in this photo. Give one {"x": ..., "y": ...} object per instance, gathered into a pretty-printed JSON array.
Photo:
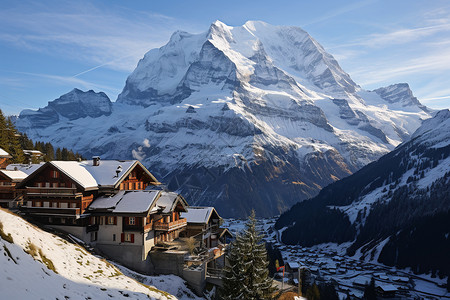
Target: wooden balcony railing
[
  {"x": 170, "y": 226},
  {"x": 51, "y": 211},
  {"x": 48, "y": 191}
]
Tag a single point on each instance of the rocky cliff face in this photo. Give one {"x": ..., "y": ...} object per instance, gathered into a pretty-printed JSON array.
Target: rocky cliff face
[
  {"x": 71, "y": 106},
  {"x": 261, "y": 107}
]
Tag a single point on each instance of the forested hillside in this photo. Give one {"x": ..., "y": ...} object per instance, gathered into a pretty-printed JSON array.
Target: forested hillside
[{"x": 13, "y": 142}]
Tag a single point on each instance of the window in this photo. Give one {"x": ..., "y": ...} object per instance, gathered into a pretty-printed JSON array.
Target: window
[
  {"x": 111, "y": 220},
  {"x": 54, "y": 174},
  {"x": 93, "y": 236},
  {"x": 47, "y": 184},
  {"x": 38, "y": 184},
  {"x": 131, "y": 221},
  {"x": 73, "y": 205},
  {"x": 127, "y": 238},
  {"x": 55, "y": 184},
  {"x": 37, "y": 204},
  {"x": 46, "y": 204},
  {"x": 114, "y": 237},
  {"x": 63, "y": 221},
  {"x": 55, "y": 204}
]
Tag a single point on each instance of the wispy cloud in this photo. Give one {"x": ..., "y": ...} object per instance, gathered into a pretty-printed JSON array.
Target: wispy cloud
[
  {"x": 83, "y": 32},
  {"x": 72, "y": 82},
  {"x": 340, "y": 11}
]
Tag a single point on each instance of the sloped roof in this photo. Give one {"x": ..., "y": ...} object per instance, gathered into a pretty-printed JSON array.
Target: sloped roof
[
  {"x": 77, "y": 172},
  {"x": 136, "y": 201},
  {"x": 26, "y": 168},
  {"x": 105, "y": 173},
  {"x": 3, "y": 153},
  {"x": 126, "y": 202},
  {"x": 168, "y": 201},
  {"x": 198, "y": 214},
  {"x": 387, "y": 287},
  {"x": 14, "y": 175}
]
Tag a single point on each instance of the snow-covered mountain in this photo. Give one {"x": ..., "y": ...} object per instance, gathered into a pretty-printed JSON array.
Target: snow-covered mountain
[
  {"x": 72, "y": 106},
  {"x": 395, "y": 210},
  {"x": 38, "y": 265},
  {"x": 255, "y": 116}
]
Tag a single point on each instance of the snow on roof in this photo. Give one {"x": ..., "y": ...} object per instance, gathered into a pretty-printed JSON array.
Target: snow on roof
[
  {"x": 361, "y": 280},
  {"x": 26, "y": 168},
  {"x": 14, "y": 175},
  {"x": 167, "y": 201},
  {"x": 293, "y": 265},
  {"x": 4, "y": 153},
  {"x": 106, "y": 202},
  {"x": 197, "y": 214},
  {"x": 126, "y": 202},
  {"x": 89, "y": 176},
  {"x": 77, "y": 172},
  {"x": 136, "y": 201},
  {"x": 387, "y": 287},
  {"x": 105, "y": 173}
]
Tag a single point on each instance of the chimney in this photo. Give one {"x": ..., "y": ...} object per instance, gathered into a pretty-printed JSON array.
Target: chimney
[{"x": 96, "y": 161}]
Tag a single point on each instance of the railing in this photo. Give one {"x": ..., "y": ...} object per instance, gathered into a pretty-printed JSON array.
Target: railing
[
  {"x": 51, "y": 210},
  {"x": 148, "y": 227},
  {"x": 170, "y": 226},
  {"x": 91, "y": 228},
  {"x": 52, "y": 191}
]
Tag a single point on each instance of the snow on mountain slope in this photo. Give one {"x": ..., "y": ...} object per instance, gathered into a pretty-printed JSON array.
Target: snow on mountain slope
[
  {"x": 396, "y": 209},
  {"x": 39, "y": 265},
  {"x": 261, "y": 106}
]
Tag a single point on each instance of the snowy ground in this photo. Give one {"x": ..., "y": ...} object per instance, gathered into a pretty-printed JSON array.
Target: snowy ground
[
  {"x": 39, "y": 265},
  {"x": 330, "y": 262}
]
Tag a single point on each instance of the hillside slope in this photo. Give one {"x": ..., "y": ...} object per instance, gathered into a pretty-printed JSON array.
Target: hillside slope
[
  {"x": 37, "y": 265},
  {"x": 253, "y": 116},
  {"x": 395, "y": 210}
]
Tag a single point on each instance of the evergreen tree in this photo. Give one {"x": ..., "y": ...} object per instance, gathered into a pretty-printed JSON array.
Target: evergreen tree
[
  {"x": 14, "y": 147},
  {"x": 246, "y": 274},
  {"x": 370, "y": 292},
  {"x": 313, "y": 293}
]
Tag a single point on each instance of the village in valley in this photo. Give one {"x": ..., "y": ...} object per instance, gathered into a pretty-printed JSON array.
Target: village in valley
[{"x": 328, "y": 263}]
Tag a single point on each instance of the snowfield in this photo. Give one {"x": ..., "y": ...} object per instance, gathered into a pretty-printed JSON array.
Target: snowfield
[{"x": 40, "y": 265}]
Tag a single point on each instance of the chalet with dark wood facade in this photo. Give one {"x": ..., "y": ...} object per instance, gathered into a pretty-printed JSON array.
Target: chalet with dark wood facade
[
  {"x": 59, "y": 192},
  {"x": 10, "y": 197},
  {"x": 4, "y": 157}
]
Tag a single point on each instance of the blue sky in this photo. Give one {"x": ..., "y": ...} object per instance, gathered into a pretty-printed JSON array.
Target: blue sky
[{"x": 47, "y": 48}]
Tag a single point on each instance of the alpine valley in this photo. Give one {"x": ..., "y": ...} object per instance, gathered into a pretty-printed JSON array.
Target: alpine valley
[
  {"x": 395, "y": 211},
  {"x": 255, "y": 116}
]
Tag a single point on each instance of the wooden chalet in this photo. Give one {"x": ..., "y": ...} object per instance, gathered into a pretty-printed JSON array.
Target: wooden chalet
[
  {"x": 9, "y": 178},
  {"x": 128, "y": 225},
  {"x": 204, "y": 224},
  {"x": 4, "y": 156},
  {"x": 59, "y": 192}
]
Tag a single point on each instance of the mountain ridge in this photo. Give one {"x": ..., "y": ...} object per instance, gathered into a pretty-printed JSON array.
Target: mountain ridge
[{"x": 260, "y": 104}]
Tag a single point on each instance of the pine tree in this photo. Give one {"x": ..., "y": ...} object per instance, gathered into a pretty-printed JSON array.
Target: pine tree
[
  {"x": 246, "y": 274},
  {"x": 14, "y": 147},
  {"x": 370, "y": 291}
]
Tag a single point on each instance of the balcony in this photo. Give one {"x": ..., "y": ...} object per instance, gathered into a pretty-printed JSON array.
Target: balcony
[
  {"x": 170, "y": 226},
  {"x": 51, "y": 211},
  {"x": 91, "y": 228},
  {"x": 49, "y": 192}
]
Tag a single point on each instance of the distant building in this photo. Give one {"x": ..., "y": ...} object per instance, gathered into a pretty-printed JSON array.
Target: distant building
[{"x": 4, "y": 156}]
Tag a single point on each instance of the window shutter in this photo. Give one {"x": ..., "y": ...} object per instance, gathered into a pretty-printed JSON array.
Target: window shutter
[
  {"x": 132, "y": 237},
  {"x": 126, "y": 220},
  {"x": 122, "y": 237},
  {"x": 115, "y": 220}
]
